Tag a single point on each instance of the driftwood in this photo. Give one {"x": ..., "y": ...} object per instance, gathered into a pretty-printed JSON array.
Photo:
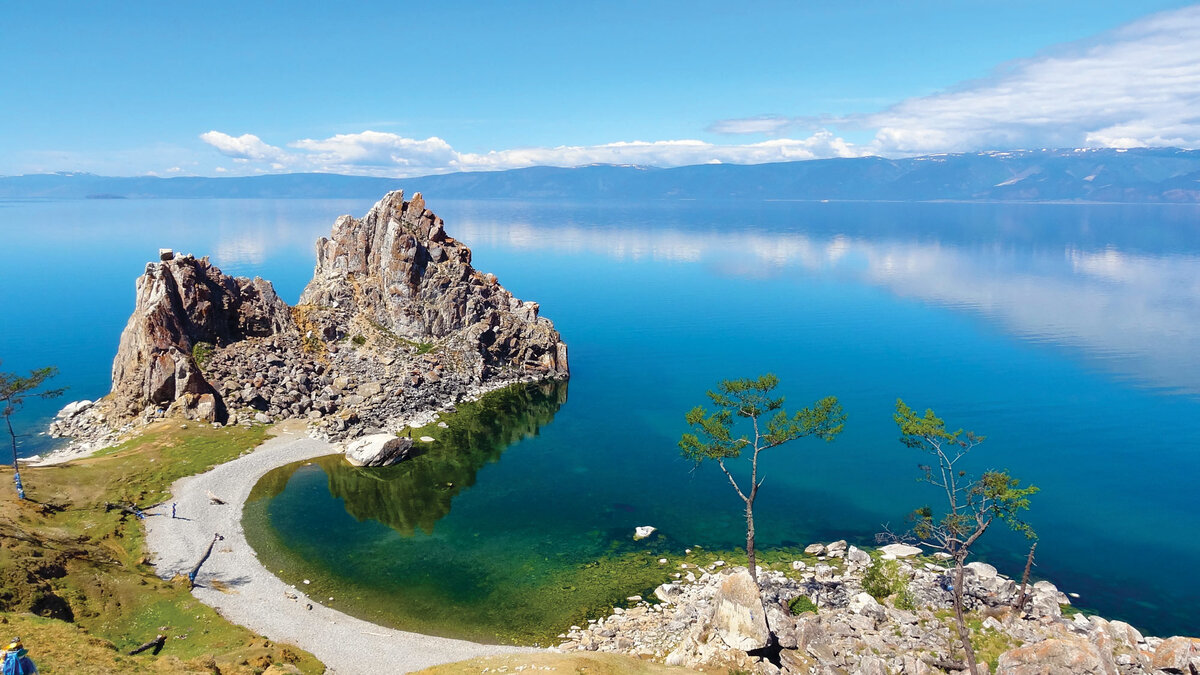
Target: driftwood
[
  {"x": 156, "y": 644},
  {"x": 130, "y": 509},
  {"x": 1022, "y": 598},
  {"x": 207, "y": 552}
]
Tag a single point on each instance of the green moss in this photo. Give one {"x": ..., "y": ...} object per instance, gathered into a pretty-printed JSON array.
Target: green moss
[
  {"x": 801, "y": 604},
  {"x": 202, "y": 352},
  {"x": 359, "y": 340}
]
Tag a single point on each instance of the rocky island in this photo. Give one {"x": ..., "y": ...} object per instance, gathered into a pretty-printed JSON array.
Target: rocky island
[{"x": 394, "y": 325}]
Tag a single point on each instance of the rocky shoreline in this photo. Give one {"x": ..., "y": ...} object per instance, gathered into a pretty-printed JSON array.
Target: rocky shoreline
[
  {"x": 395, "y": 326},
  {"x": 817, "y": 616}
]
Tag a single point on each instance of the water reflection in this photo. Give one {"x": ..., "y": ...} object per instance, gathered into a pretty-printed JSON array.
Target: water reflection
[
  {"x": 416, "y": 493},
  {"x": 1136, "y": 314}
]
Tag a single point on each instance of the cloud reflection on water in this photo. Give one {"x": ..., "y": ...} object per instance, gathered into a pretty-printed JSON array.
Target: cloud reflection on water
[{"x": 1137, "y": 315}]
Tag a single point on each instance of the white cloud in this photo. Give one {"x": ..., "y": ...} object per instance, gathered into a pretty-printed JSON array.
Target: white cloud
[
  {"x": 387, "y": 154},
  {"x": 763, "y": 124},
  {"x": 663, "y": 153},
  {"x": 245, "y": 147},
  {"x": 1138, "y": 85},
  {"x": 375, "y": 149}
]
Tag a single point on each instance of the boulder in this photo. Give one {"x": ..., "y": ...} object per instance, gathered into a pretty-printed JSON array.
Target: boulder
[
  {"x": 72, "y": 409},
  {"x": 894, "y": 551},
  {"x": 815, "y": 549},
  {"x": 1056, "y": 657},
  {"x": 1177, "y": 653},
  {"x": 865, "y": 604},
  {"x": 738, "y": 614},
  {"x": 982, "y": 571},
  {"x": 857, "y": 556},
  {"x": 378, "y": 450}
]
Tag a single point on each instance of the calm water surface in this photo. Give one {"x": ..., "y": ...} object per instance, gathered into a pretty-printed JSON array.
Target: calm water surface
[{"x": 1068, "y": 335}]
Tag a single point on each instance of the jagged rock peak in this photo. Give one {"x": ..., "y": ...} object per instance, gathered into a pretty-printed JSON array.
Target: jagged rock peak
[
  {"x": 397, "y": 268},
  {"x": 182, "y": 301}
]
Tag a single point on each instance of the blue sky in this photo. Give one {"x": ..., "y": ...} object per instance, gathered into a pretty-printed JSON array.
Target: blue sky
[{"x": 405, "y": 89}]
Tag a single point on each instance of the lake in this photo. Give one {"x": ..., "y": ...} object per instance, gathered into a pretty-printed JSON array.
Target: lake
[{"x": 1068, "y": 335}]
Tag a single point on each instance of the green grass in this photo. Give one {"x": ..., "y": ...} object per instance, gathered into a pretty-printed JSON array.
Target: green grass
[
  {"x": 63, "y": 556},
  {"x": 883, "y": 580}
]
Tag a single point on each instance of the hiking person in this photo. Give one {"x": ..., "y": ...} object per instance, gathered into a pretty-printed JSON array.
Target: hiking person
[{"x": 16, "y": 659}]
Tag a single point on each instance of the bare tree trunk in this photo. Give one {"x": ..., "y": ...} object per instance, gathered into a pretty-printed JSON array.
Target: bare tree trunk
[
  {"x": 750, "y": 541},
  {"x": 207, "y": 552},
  {"x": 1021, "y": 598},
  {"x": 156, "y": 644},
  {"x": 964, "y": 633},
  {"x": 16, "y": 469}
]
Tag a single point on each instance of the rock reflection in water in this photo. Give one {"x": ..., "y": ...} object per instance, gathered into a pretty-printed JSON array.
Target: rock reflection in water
[{"x": 416, "y": 493}]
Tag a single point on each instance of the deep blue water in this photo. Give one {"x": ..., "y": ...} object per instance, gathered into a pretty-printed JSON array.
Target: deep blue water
[{"x": 1069, "y": 335}]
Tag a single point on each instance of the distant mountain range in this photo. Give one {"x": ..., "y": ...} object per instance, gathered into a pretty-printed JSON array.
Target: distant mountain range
[{"x": 1096, "y": 175}]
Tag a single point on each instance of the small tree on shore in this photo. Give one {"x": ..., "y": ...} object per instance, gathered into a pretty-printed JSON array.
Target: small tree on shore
[
  {"x": 14, "y": 389},
  {"x": 713, "y": 436},
  {"x": 972, "y": 504}
]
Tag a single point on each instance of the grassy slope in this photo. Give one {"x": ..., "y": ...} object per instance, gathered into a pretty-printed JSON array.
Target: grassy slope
[{"x": 63, "y": 556}]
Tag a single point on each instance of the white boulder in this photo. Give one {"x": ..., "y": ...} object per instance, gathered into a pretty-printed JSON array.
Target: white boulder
[
  {"x": 378, "y": 450},
  {"x": 893, "y": 551}
]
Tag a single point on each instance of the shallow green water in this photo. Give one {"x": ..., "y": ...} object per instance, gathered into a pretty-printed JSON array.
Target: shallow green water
[{"x": 377, "y": 540}]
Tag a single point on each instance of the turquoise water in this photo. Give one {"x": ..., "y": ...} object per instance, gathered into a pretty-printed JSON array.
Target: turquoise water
[{"x": 1067, "y": 334}]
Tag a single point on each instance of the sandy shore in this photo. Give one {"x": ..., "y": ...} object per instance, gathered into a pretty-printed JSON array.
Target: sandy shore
[{"x": 255, "y": 598}]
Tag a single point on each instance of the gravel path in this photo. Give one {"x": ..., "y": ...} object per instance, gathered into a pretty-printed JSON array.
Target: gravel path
[{"x": 256, "y": 598}]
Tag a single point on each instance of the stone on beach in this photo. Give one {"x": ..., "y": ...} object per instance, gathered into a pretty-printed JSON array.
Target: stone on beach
[{"x": 378, "y": 450}]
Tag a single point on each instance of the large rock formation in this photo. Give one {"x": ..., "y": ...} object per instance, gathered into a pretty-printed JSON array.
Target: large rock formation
[
  {"x": 182, "y": 302},
  {"x": 395, "y": 323},
  {"x": 399, "y": 270}
]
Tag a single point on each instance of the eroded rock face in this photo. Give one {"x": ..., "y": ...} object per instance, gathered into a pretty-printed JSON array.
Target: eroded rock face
[
  {"x": 395, "y": 325},
  {"x": 183, "y": 301},
  {"x": 398, "y": 269}
]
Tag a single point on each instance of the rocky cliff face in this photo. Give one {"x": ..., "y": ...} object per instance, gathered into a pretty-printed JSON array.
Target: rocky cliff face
[
  {"x": 181, "y": 302},
  {"x": 395, "y": 322},
  {"x": 397, "y": 269}
]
